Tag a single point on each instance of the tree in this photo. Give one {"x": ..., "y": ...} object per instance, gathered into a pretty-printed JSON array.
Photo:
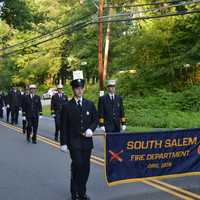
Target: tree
[{"x": 21, "y": 14}]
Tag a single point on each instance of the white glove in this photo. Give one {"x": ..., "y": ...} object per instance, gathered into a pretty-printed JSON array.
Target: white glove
[
  {"x": 103, "y": 128},
  {"x": 63, "y": 148},
  {"x": 40, "y": 117},
  {"x": 53, "y": 115},
  {"x": 20, "y": 111},
  {"x": 8, "y": 106},
  {"x": 123, "y": 127},
  {"x": 24, "y": 118},
  {"x": 88, "y": 133}
]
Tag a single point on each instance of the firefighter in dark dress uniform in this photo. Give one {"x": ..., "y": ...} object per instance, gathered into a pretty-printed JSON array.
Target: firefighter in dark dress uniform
[
  {"x": 14, "y": 105},
  {"x": 24, "y": 121},
  {"x": 32, "y": 111},
  {"x": 7, "y": 103},
  {"x": 111, "y": 110},
  {"x": 79, "y": 119},
  {"x": 1, "y": 104},
  {"x": 57, "y": 102}
]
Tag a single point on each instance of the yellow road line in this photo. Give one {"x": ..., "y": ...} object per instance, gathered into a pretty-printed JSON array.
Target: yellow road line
[
  {"x": 41, "y": 138},
  {"x": 167, "y": 190},
  {"x": 98, "y": 158},
  {"x": 20, "y": 129},
  {"x": 48, "y": 141},
  {"x": 173, "y": 190},
  {"x": 196, "y": 196},
  {"x": 96, "y": 162}
]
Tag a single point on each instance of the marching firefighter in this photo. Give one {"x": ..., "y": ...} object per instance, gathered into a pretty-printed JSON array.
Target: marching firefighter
[
  {"x": 7, "y": 104},
  {"x": 14, "y": 105},
  {"x": 1, "y": 104},
  {"x": 79, "y": 119},
  {"x": 111, "y": 110},
  {"x": 57, "y": 102},
  {"x": 24, "y": 121},
  {"x": 32, "y": 111}
]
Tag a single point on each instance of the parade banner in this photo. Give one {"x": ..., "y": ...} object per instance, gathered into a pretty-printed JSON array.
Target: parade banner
[{"x": 134, "y": 157}]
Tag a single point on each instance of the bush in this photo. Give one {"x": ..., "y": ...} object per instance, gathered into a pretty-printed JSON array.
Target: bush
[
  {"x": 158, "y": 109},
  {"x": 190, "y": 99},
  {"x": 164, "y": 109},
  {"x": 42, "y": 89}
]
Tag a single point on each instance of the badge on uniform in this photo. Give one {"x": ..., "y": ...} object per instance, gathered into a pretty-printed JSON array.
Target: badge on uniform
[{"x": 87, "y": 113}]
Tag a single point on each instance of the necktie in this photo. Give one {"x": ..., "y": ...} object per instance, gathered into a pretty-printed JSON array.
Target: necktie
[
  {"x": 112, "y": 99},
  {"x": 79, "y": 105}
]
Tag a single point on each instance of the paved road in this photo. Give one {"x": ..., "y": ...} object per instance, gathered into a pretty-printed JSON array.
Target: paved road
[
  {"x": 42, "y": 172},
  {"x": 38, "y": 172},
  {"x": 47, "y": 129}
]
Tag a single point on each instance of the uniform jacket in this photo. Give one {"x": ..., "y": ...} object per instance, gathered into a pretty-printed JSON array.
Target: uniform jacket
[
  {"x": 32, "y": 107},
  {"x": 75, "y": 122},
  {"x": 1, "y": 100},
  {"x": 111, "y": 113},
  {"x": 6, "y": 100},
  {"x": 57, "y": 103},
  {"x": 22, "y": 100},
  {"x": 13, "y": 99}
]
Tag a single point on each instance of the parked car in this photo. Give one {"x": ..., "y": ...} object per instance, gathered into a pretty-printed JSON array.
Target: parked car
[{"x": 49, "y": 94}]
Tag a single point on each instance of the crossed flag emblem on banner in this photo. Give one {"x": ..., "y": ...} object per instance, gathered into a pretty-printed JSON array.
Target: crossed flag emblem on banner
[{"x": 116, "y": 156}]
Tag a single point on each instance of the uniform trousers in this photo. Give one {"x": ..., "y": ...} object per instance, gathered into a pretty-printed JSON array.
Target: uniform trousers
[
  {"x": 32, "y": 126},
  {"x": 80, "y": 169}
]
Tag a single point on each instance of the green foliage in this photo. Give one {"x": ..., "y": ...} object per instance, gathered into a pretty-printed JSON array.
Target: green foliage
[
  {"x": 189, "y": 100},
  {"x": 164, "y": 109},
  {"x": 21, "y": 14},
  {"x": 41, "y": 89},
  {"x": 161, "y": 118},
  {"x": 46, "y": 111},
  {"x": 161, "y": 109},
  {"x": 157, "y": 49},
  {"x": 162, "y": 93}
]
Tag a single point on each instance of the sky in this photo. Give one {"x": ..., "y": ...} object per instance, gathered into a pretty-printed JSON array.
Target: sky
[{"x": 1, "y": 4}]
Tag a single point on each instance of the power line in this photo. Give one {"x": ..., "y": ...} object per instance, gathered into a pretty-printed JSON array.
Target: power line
[
  {"x": 44, "y": 41},
  {"x": 46, "y": 50},
  {"x": 169, "y": 6},
  {"x": 154, "y": 9},
  {"x": 142, "y": 5},
  {"x": 84, "y": 17},
  {"x": 112, "y": 21},
  {"x": 47, "y": 34},
  {"x": 153, "y": 17}
]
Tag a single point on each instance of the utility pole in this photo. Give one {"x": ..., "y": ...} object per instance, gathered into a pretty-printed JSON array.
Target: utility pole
[
  {"x": 107, "y": 45},
  {"x": 100, "y": 45}
]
